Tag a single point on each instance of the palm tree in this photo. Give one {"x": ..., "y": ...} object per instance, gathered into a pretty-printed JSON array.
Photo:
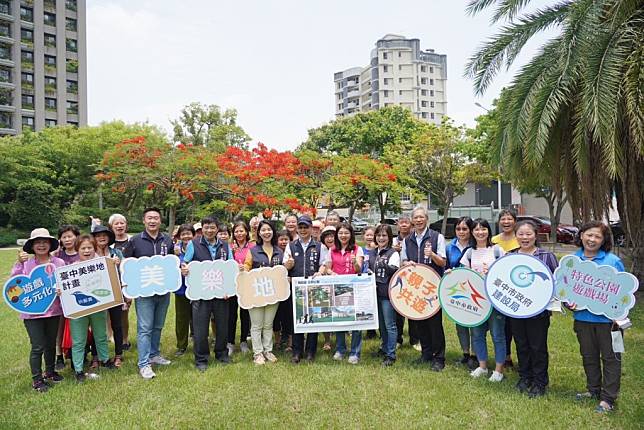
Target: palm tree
[{"x": 580, "y": 97}]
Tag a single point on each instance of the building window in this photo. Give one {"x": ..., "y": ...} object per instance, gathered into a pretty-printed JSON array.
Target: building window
[
  {"x": 423, "y": 92},
  {"x": 27, "y": 56},
  {"x": 26, "y": 14},
  {"x": 50, "y": 84},
  {"x": 50, "y": 64},
  {"x": 431, "y": 104},
  {"x": 423, "y": 115},
  {"x": 385, "y": 68},
  {"x": 400, "y": 67},
  {"x": 5, "y": 29},
  {"x": 431, "y": 93},
  {"x": 70, "y": 24},
  {"x": 423, "y": 103},
  {"x": 26, "y": 36},
  {"x": 5, "y": 7},
  {"x": 431, "y": 82},
  {"x": 423, "y": 69},
  {"x": 72, "y": 107},
  {"x": 423, "y": 81},
  {"x": 5, "y": 52},
  {"x": 50, "y": 40},
  {"x": 70, "y": 4},
  {"x": 50, "y": 104},
  {"x": 27, "y": 101},
  {"x": 28, "y": 123},
  {"x": 72, "y": 87},
  {"x": 50, "y": 123},
  {"x": 386, "y": 81},
  {"x": 399, "y": 54},
  {"x": 27, "y": 81},
  {"x": 385, "y": 93},
  {"x": 5, "y": 120},
  {"x": 431, "y": 115},
  {"x": 71, "y": 65},
  {"x": 49, "y": 19},
  {"x": 384, "y": 55},
  {"x": 72, "y": 45},
  {"x": 5, "y": 75},
  {"x": 400, "y": 92},
  {"x": 431, "y": 69},
  {"x": 5, "y": 97}
]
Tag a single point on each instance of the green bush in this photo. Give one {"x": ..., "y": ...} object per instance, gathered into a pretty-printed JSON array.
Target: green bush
[{"x": 9, "y": 236}]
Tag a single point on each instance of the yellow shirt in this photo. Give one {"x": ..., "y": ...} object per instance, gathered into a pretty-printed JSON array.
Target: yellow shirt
[{"x": 507, "y": 245}]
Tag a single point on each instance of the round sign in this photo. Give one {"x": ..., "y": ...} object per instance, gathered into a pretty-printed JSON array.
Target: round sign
[
  {"x": 413, "y": 291},
  {"x": 519, "y": 285},
  {"x": 463, "y": 297}
]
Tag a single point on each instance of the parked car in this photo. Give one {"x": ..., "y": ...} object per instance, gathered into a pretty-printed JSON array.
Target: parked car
[
  {"x": 450, "y": 229},
  {"x": 566, "y": 233},
  {"x": 393, "y": 223},
  {"x": 358, "y": 225},
  {"x": 619, "y": 237}
]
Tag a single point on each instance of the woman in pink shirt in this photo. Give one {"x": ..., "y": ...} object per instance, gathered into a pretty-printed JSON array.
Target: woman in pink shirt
[
  {"x": 41, "y": 328},
  {"x": 241, "y": 245}
]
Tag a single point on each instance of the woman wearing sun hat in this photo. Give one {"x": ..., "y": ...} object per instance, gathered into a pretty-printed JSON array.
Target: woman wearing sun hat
[{"x": 42, "y": 328}]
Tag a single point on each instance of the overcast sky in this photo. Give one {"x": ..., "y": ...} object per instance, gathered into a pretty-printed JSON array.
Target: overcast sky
[{"x": 271, "y": 60}]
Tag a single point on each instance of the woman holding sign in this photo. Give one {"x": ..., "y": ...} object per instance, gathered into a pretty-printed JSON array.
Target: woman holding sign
[
  {"x": 594, "y": 332},
  {"x": 241, "y": 245},
  {"x": 531, "y": 334},
  {"x": 480, "y": 257},
  {"x": 345, "y": 258},
  {"x": 41, "y": 328},
  {"x": 265, "y": 253}
]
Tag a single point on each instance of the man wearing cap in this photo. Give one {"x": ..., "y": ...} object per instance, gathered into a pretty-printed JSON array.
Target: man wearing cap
[
  {"x": 302, "y": 259},
  {"x": 150, "y": 311}
]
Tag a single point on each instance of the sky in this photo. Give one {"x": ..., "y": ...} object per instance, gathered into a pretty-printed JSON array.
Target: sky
[{"x": 273, "y": 61}]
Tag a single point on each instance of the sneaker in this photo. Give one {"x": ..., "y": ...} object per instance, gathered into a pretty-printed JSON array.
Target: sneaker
[
  {"x": 463, "y": 361},
  {"x": 587, "y": 396},
  {"x": 158, "y": 359},
  {"x": 243, "y": 347},
  {"x": 353, "y": 359},
  {"x": 270, "y": 357},
  {"x": 478, "y": 372},
  {"x": 39, "y": 385},
  {"x": 258, "y": 359},
  {"x": 146, "y": 372},
  {"x": 438, "y": 366},
  {"x": 224, "y": 359},
  {"x": 180, "y": 352},
  {"x": 80, "y": 377},
  {"x": 472, "y": 362},
  {"x": 388, "y": 361},
  {"x": 53, "y": 377},
  {"x": 417, "y": 347},
  {"x": 496, "y": 377},
  {"x": 60, "y": 362},
  {"x": 536, "y": 391},
  {"x": 604, "y": 407},
  {"x": 231, "y": 348},
  {"x": 338, "y": 356},
  {"x": 524, "y": 385},
  {"x": 92, "y": 375},
  {"x": 326, "y": 347},
  {"x": 202, "y": 367}
]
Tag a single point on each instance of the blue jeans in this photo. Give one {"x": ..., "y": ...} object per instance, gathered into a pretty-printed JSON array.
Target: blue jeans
[
  {"x": 356, "y": 342},
  {"x": 496, "y": 325},
  {"x": 150, "y": 317},
  {"x": 387, "y": 326},
  {"x": 464, "y": 336}
]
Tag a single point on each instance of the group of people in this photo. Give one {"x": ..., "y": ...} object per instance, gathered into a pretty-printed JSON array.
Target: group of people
[{"x": 306, "y": 248}]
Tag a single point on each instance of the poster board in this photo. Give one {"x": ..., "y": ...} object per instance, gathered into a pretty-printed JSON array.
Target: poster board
[
  {"x": 31, "y": 294},
  {"x": 87, "y": 287},
  {"x": 413, "y": 291},
  {"x": 149, "y": 276},
  {"x": 262, "y": 286},
  {"x": 463, "y": 297},
  {"x": 209, "y": 279},
  {"x": 335, "y": 303}
]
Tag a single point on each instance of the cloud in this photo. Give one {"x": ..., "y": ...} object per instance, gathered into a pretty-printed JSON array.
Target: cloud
[
  {"x": 211, "y": 279},
  {"x": 261, "y": 287},
  {"x": 148, "y": 276}
]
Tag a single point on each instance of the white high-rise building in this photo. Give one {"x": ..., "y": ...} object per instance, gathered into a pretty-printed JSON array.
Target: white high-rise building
[{"x": 399, "y": 74}]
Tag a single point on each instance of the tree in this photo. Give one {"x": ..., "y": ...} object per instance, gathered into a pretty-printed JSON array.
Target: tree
[
  {"x": 585, "y": 84},
  {"x": 207, "y": 125},
  {"x": 317, "y": 169},
  {"x": 439, "y": 160}
]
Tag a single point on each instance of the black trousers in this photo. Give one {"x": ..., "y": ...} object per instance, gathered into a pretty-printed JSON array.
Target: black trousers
[
  {"x": 116, "y": 321},
  {"x": 432, "y": 337},
  {"x": 311, "y": 346},
  {"x": 531, "y": 339},
  {"x": 595, "y": 342},
  {"x": 283, "y": 321},
  {"x": 400, "y": 324},
  {"x": 202, "y": 310},
  {"x": 42, "y": 336},
  {"x": 508, "y": 335},
  {"x": 244, "y": 316}
]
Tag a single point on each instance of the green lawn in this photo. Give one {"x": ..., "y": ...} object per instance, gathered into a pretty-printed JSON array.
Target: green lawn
[{"x": 323, "y": 395}]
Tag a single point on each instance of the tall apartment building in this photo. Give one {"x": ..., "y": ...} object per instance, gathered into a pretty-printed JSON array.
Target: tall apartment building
[
  {"x": 43, "y": 64},
  {"x": 399, "y": 73}
]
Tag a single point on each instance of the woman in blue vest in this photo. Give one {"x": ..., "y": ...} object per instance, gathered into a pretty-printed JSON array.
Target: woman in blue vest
[
  {"x": 384, "y": 262},
  {"x": 454, "y": 251},
  {"x": 265, "y": 253},
  {"x": 480, "y": 257},
  {"x": 602, "y": 365}
]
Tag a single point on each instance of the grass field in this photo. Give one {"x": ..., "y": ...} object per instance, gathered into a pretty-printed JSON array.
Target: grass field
[{"x": 325, "y": 394}]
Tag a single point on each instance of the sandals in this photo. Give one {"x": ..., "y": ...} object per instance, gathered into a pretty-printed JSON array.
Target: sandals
[{"x": 118, "y": 361}]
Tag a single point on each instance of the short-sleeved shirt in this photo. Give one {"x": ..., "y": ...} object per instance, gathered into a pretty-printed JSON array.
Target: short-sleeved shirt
[
  {"x": 480, "y": 259},
  {"x": 507, "y": 245}
]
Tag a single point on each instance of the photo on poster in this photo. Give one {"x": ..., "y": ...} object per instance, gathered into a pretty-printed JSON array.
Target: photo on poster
[
  {"x": 343, "y": 295},
  {"x": 344, "y": 313}
]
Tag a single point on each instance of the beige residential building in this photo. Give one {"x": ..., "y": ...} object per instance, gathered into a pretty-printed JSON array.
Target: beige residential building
[
  {"x": 43, "y": 66},
  {"x": 399, "y": 73}
]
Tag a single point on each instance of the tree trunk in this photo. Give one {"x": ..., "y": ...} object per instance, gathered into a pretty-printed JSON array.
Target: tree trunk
[
  {"x": 352, "y": 210},
  {"x": 382, "y": 207},
  {"x": 172, "y": 211},
  {"x": 445, "y": 213}
]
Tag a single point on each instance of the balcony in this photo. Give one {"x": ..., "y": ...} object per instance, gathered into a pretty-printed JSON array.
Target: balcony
[
  {"x": 50, "y": 69},
  {"x": 50, "y": 89}
]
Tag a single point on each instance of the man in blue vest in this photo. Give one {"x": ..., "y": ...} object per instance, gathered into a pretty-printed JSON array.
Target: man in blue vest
[
  {"x": 150, "y": 311},
  {"x": 302, "y": 259},
  {"x": 425, "y": 246},
  {"x": 208, "y": 248}
]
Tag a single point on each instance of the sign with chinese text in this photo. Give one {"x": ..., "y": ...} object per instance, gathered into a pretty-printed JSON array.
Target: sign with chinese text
[
  {"x": 32, "y": 294},
  {"x": 463, "y": 297},
  {"x": 519, "y": 285},
  {"x": 263, "y": 286},
  {"x": 149, "y": 276},
  {"x": 413, "y": 291},
  {"x": 87, "y": 287},
  {"x": 211, "y": 279},
  {"x": 335, "y": 303},
  {"x": 600, "y": 289}
]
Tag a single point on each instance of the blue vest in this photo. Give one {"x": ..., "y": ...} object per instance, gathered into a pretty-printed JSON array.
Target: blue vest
[
  {"x": 413, "y": 254},
  {"x": 260, "y": 258},
  {"x": 307, "y": 262},
  {"x": 379, "y": 265},
  {"x": 202, "y": 251}
]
